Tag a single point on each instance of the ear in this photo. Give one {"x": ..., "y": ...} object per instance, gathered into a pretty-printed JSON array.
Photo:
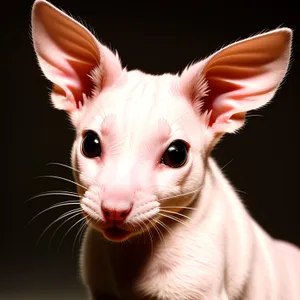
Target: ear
[
  {"x": 240, "y": 77},
  {"x": 70, "y": 57}
]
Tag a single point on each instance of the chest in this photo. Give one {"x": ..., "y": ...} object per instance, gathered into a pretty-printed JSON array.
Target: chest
[{"x": 180, "y": 268}]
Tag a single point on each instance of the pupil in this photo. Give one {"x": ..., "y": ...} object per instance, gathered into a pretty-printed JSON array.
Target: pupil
[
  {"x": 176, "y": 154},
  {"x": 91, "y": 145}
]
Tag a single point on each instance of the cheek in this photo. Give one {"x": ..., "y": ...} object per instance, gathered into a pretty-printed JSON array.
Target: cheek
[
  {"x": 172, "y": 181},
  {"x": 196, "y": 174},
  {"x": 87, "y": 169}
]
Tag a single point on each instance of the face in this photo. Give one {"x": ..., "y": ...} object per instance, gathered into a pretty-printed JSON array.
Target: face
[
  {"x": 142, "y": 141},
  {"x": 137, "y": 158}
]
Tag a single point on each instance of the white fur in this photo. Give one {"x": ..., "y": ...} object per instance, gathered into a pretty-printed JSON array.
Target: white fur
[
  {"x": 200, "y": 243},
  {"x": 222, "y": 254}
]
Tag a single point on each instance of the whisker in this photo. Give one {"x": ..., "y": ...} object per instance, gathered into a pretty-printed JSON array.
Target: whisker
[
  {"x": 142, "y": 231},
  {"x": 226, "y": 164},
  {"x": 254, "y": 115},
  {"x": 63, "y": 165},
  {"x": 159, "y": 185},
  {"x": 83, "y": 225},
  {"x": 240, "y": 191},
  {"x": 159, "y": 233},
  {"x": 78, "y": 211},
  {"x": 80, "y": 220},
  {"x": 101, "y": 112},
  {"x": 65, "y": 203},
  {"x": 81, "y": 228},
  {"x": 62, "y": 178},
  {"x": 181, "y": 195},
  {"x": 74, "y": 211},
  {"x": 85, "y": 228},
  {"x": 150, "y": 235},
  {"x": 174, "y": 219},
  {"x": 176, "y": 120},
  {"x": 175, "y": 213},
  {"x": 71, "y": 168},
  {"x": 54, "y": 193},
  {"x": 182, "y": 207},
  {"x": 162, "y": 224}
]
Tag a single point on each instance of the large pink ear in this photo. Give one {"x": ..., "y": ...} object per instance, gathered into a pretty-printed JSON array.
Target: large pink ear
[
  {"x": 240, "y": 77},
  {"x": 70, "y": 57}
]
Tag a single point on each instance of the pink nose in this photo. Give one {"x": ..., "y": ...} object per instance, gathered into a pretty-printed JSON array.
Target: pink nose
[{"x": 114, "y": 214}]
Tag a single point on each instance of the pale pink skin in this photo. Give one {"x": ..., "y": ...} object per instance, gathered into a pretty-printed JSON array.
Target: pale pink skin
[{"x": 215, "y": 250}]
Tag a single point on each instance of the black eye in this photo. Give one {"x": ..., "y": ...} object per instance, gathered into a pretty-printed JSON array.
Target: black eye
[
  {"x": 176, "y": 155},
  {"x": 90, "y": 146}
]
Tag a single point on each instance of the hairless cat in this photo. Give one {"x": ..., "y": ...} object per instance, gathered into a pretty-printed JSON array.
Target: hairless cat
[{"x": 163, "y": 221}]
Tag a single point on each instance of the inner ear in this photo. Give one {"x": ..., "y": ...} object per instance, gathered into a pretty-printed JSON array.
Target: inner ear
[
  {"x": 71, "y": 57},
  {"x": 240, "y": 77}
]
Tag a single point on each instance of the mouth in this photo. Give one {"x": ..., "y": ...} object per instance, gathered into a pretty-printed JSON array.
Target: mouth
[
  {"x": 116, "y": 234},
  {"x": 112, "y": 233}
]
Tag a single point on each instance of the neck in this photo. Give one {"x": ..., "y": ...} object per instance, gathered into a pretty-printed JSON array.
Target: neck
[{"x": 236, "y": 228}]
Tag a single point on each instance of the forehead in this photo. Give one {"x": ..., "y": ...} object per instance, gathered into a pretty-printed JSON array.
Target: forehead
[{"x": 140, "y": 103}]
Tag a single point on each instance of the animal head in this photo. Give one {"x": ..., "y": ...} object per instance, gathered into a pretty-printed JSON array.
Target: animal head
[{"x": 142, "y": 141}]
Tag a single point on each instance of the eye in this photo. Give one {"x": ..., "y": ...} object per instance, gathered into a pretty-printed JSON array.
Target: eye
[
  {"x": 176, "y": 154},
  {"x": 90, "y": 146}
]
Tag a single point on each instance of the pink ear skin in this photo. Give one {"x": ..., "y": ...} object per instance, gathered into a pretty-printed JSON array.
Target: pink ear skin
[
  {"x": 240, "y": 77},
  {"x": 70, "y": 57}
]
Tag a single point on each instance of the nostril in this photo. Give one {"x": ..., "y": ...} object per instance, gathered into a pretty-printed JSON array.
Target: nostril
[
  {"x": 115, "y": 214},
  {"x": 106, "y": 213},
  {"x": 123, "y": 214}
]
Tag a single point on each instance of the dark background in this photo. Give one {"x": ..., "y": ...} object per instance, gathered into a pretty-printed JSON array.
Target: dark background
[{"x": 156, "y": 37}]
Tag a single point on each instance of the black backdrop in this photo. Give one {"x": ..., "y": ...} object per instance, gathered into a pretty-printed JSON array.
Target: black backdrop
[{"x": 156, "y": 37}]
